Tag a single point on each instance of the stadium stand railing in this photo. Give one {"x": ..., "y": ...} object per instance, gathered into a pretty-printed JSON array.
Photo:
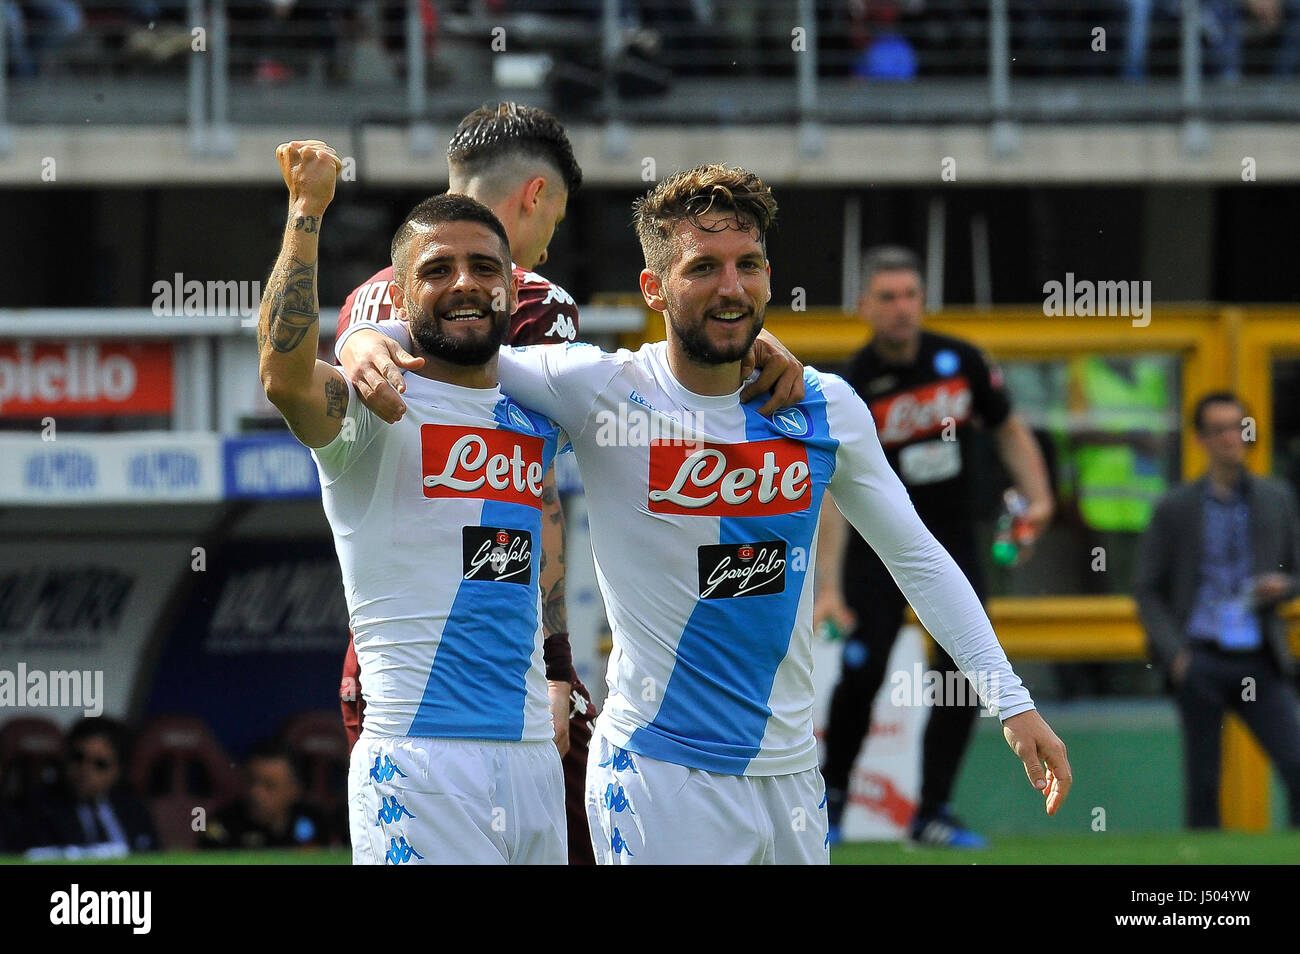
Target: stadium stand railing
[{"x": 215, "y": 64}]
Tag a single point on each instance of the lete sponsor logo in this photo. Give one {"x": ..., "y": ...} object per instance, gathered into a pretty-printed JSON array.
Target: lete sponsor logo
[
  {"x": 921, "y": 411},
  {"x": 732, "y": 480},
  {"x": 481, "y": 462},
  {"x": 85, "y": 378}
]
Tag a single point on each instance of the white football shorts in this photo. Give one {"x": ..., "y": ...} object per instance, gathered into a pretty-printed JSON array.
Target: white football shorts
[
  {"x": 456, "y": 801},
  {"x": 645, "y": 811}
]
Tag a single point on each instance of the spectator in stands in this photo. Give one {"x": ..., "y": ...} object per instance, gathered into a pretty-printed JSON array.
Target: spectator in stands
[
  {"x": 885, "y": 53},
  {"x": 34, "y": 28},
  {"x": 1221, "y": 27},
  {"x": 159, "y": 31},
  {"x": 1284, "y": 16},
  {"x": 271, "y": 814},
  {"x": 92, "y": 807},
  {"x": 1220, "y": 556},
  {"x": 290, "y": 36}
]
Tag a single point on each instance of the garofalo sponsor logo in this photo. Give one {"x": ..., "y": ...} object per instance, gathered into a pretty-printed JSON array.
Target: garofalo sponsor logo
[
  {"x": 742, "y": 569},
  {"x": 1083, "y": 298},
  {"x": 497, "y": 554},
  {"x": 74, "y": 906},
  {"x": 53, "y": 689}
]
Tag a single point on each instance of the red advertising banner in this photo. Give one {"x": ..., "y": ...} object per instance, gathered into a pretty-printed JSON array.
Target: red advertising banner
[{"x": 83, "y": 378}]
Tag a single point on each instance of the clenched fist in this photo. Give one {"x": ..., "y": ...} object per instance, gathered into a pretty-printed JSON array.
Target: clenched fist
[{"x": 310, "y": 170}]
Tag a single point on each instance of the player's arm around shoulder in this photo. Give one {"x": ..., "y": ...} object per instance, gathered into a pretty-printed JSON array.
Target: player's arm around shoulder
[{"x": 310, "y": 394}]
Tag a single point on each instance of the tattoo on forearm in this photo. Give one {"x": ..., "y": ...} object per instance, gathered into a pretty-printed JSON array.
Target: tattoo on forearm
[
  {"x": 294, "y": 311},
  {"x": 551, "y": 503},
  {"x": 336, "y": 397},
  {"x": 305, "y": 223},
  {"x": 554, "y": 617}
]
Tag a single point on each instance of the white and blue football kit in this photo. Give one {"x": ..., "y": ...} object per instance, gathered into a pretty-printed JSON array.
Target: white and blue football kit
[
  {"x": 437, "y": 525},
  {"x": 704, "y": 521}
]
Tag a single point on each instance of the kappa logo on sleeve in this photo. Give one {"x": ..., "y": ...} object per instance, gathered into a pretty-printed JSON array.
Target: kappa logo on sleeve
[
  {"x": 481, "y": 462},
  {"x": 497, "y": 554},
  {"x": 742, "y": 569},
  {"x": 729, "y": 480},
  {"x": 562, "y": 327}
]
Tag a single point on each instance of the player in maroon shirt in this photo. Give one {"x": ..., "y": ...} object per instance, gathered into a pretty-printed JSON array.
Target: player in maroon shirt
[{"x": 516, "y": 160}]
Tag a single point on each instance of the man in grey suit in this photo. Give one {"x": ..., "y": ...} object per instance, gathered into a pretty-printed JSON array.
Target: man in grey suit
[{"x": 1218, "y": 558}]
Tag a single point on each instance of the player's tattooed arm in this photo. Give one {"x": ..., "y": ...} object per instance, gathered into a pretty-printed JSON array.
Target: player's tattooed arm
[
  {"x": 311, "y": 394},
  {"x": 555, "y": 623},
  {"x": 294, "y": 310},
  {"x": 336, "y": 397},
  {"x": 551, "y": 574},
  {"x": 554, "y": 617}
]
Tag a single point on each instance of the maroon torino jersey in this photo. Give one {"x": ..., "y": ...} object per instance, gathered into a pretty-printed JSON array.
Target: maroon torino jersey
[{"x": 547, "y": 313}]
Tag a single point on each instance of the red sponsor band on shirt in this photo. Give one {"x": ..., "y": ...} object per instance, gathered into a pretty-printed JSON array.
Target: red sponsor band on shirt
[
  {"x": 729, "y": 480},
  {"x": 482, "y": 462},
  {"x": 922, "y": 411}
]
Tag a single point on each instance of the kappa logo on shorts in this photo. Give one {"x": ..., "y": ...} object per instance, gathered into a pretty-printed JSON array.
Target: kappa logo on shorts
[
  {"x": 756, "y": 478},
  {"x": 619, "y": 760},
  {"x": 618, "y": 845},
  {"x": 391, "y": 810},
  {"x": 617, "y": 801},
  {"x": 497, "y": 555},
  {"x": 386, "y": 771},
  {"x": 742, "y": 569},
  {"x": 481, "y": 462},
  {"x": 400, "y": 852}
]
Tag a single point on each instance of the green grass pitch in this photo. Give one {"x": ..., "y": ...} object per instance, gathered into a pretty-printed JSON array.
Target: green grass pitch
[{"x": 1098, "y": 848}]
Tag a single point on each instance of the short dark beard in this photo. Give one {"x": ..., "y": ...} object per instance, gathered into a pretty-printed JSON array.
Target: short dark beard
[
  {"x": 698, "y": 348},
  {"x": 466, "y": 353}
]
